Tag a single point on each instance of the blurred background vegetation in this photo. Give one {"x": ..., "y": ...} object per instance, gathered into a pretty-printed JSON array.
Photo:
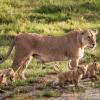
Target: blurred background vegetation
[{"x": 53, "y": 17}]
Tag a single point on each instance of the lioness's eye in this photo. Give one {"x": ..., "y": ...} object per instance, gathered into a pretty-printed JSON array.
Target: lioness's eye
[{"x": 89, "y": 37}]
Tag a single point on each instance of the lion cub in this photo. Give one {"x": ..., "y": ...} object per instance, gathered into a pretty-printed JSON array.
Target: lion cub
[
  {"x": 92, "y": 71},
  {"x": 3, "y": 79},
  {"x": 7, "y": 74},
  {"x": 73, "y": 76}
]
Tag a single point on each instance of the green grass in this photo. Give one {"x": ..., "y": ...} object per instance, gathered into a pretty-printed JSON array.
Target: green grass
[
  {"x": 47, "y": 93},
  {"x": 96, "y": 85},
  {"x": 54, "y": 17}
]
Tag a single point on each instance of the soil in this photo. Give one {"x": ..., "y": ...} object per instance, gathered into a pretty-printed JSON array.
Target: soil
[{"x": 30, "y": 92}]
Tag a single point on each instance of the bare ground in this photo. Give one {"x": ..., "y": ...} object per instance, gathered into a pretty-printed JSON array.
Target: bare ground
[{"x": 44, "y": 91}]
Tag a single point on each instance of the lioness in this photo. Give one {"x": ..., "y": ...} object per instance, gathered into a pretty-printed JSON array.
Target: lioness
[
  {"x": 92, "y": 71},
  {"x": 50, "y": 48},
  {"x": 73, "y": 76}
]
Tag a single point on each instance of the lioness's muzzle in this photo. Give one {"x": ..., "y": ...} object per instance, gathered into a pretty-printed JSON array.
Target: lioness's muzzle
[{"x": 93, "y": 46}]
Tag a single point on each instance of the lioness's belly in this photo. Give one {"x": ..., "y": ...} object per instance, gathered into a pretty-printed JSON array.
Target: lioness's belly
[{"x": 49, "y": 58}]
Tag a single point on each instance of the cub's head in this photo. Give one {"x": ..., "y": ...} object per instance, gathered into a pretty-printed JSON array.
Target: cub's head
[
  {"x": 2, "y": 79},
  {"x": 88, "y": 38},
  {"x": 82, "y": 69},
  {"x": 11, "y": 74},
  {"x": 96, "y": 66}
]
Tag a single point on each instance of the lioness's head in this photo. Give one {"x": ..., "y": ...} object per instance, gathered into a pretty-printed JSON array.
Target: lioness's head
[{"x": 88, "y": 38}]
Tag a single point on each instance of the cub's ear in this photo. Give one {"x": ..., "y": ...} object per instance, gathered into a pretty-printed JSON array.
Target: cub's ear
[
  {"x": 86, "y": 66},
  {"x": 83, "y": 33},
  {"x": 78, "y": 67},
  {"x": 2, "y": 75},
  {"x": 96, "y": 63}
]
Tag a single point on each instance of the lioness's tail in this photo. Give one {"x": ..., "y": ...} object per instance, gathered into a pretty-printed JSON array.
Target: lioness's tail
[
  {"x": 9, "y": 52},
  {"x": 57, "y": 69}
]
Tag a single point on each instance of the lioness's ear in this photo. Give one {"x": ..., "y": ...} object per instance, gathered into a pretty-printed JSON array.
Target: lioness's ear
[{"x": 95, "y": 31}]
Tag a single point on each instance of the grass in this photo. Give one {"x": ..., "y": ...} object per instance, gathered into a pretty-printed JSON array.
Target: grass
[
  {"x": 96, "y": 85},
  {"x": 47, "y": 93},
  {"x": 54, "y": 17}
]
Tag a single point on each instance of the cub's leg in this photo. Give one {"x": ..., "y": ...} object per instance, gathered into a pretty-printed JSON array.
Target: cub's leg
[
  {"x": 21, "y": 71},
  {"x": 76, "y": 84},
  {"x": 94, "y": 78},
  {"x": 56, "y": 82}
]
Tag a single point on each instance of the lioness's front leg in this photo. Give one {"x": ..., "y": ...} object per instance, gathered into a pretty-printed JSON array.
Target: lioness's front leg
[{"x": 73, "y": 63}]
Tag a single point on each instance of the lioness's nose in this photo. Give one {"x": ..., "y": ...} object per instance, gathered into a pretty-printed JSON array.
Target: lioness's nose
[{"x": 93, "y": 44}]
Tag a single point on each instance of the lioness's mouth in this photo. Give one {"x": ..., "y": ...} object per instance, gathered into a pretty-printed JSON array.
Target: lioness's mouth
[{"x": 92, "y": 46}]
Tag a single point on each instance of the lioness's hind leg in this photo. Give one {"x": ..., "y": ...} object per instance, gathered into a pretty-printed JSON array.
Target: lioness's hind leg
[
  {"x": 21, "y": 53},
  {"x": 21, "y": 71},
  {"x": 18, "y": 65}
]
